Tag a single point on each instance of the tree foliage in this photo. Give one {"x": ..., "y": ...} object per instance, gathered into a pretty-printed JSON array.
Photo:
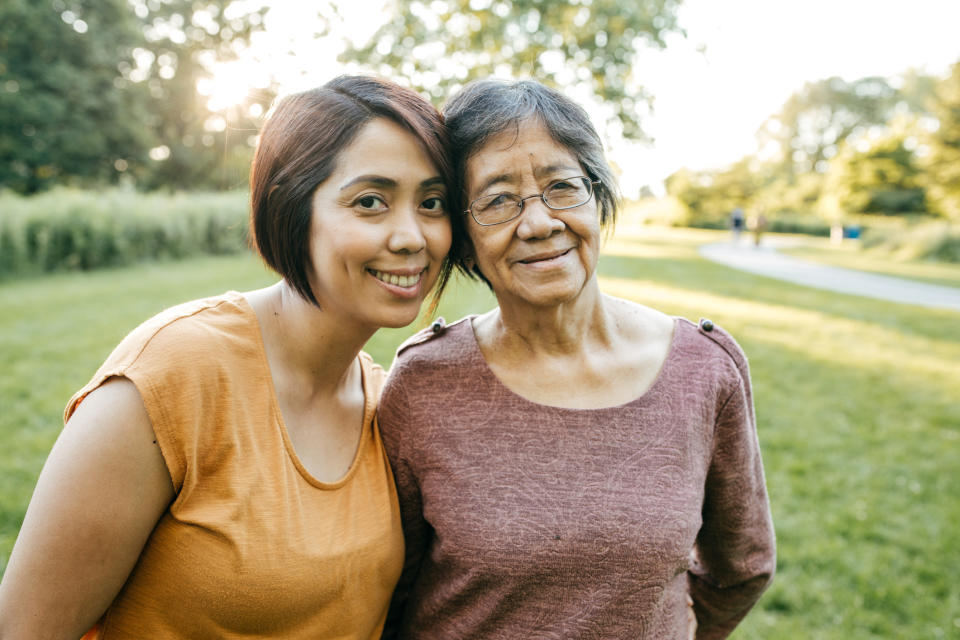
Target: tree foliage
[
  {"x": 814, "y": 121},
  {"x": 711, "y": 195},
  {"x": 875, "y": 176},
  {"x": 89, "y": 87},
  {"x": 183, "y": 39},
  {"x": 872, "y": 145},
  {"x": 582, "y": 46},
  {"x": 64, "y": 111},
  {"x": 942, "y": 165}
]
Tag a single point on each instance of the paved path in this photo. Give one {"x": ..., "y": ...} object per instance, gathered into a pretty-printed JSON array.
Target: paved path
[{"x": 766, "y": 261}]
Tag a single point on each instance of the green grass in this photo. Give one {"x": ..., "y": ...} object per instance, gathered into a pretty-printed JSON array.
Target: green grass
[
  {"x": 850, "y": 256},
  {"x": 858, "y": 406}
]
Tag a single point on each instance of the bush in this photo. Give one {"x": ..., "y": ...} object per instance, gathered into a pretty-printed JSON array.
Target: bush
[
  {"x": 926, "y": 240},
  {"x": 82, "y": 230},
  {"x": 807, "y": 224}
]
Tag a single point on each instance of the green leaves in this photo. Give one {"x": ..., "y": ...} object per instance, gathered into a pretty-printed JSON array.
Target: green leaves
[
  {"x": 89, "y": 87},
  {"x": 582, "y": 47},
  {"x": 61, "y": 113},
  {"x": 942, "y": 165}
]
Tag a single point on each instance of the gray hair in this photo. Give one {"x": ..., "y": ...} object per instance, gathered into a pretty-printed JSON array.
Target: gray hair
[{"x": 486, "y": 108}]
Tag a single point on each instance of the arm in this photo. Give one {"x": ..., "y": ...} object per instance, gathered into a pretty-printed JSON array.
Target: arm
[
  {"x": 735, "y": 549},
  {"x": 394, "y": 420},
  {"x": 100, "y": 494}
]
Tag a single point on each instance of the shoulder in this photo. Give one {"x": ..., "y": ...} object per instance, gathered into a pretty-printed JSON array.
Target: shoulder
[
  {"x": 432, "y": 362},
  {"x": 722, "y": 339},
  {"x": 437, "y": 343},
  {"x": 180, "y": 344},
  {"x": 373, "y": 375},
  {"x": 706, "y": 346},
  {"x": 198, "y": 325}
]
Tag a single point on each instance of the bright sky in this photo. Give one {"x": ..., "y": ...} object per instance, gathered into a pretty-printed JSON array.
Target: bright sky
[{"x": 755, "y": 54}]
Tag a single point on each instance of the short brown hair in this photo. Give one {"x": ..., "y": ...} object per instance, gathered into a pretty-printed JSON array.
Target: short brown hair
[{"x": 298, "y": 150}]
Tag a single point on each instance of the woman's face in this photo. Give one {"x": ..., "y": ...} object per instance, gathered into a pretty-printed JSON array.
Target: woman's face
[
  {"x": 380, "y": 229},
  {"x": 544, "y": 257}
]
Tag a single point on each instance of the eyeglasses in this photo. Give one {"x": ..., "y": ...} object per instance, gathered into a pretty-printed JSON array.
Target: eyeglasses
[{"x": 504, "y": 207}]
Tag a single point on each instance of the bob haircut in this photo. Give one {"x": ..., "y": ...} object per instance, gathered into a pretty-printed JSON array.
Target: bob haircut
[
  {"x": 486, "y": 108},
  {"x": 298, "y": 150}
]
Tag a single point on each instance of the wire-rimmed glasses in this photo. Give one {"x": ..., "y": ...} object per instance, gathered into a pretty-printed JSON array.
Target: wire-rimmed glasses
[{"x": 498, "y": 208}]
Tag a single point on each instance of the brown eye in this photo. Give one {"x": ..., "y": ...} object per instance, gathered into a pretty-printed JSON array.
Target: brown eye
[
  {"x": 371, "y": 203},
  {"x": 434, "y": 206}
]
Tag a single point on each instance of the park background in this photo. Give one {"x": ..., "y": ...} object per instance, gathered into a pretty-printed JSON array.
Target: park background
[{"x": 127, "y": 127}]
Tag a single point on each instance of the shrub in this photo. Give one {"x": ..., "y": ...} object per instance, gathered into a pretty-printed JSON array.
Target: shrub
[
  {"x": 68, "y": 229},
  {"x": 926, "y": 240}
]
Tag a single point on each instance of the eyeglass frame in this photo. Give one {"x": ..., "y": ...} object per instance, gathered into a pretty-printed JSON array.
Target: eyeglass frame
[{"x": 521, "y": 200}]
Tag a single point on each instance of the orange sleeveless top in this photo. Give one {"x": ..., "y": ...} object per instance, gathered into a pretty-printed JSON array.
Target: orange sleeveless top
[{"x": 252, "y": 544}]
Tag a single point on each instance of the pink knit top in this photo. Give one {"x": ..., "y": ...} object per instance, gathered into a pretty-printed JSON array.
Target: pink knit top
[{"x": 530, "y": 521}]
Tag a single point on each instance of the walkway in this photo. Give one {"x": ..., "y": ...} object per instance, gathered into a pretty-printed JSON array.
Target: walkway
[{"x": 767, "y": 262}]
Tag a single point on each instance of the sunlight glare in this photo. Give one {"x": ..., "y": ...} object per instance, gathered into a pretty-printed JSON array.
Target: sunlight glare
[{"x": 231, "y": 84}]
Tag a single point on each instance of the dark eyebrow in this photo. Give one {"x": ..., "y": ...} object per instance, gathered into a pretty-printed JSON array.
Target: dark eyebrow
[
  {"x": 432, "y": 182},
  {"x": 539, "y": 172},
  {"x": 377, "y": 181},
  {"x": 489, "y": 182},
  {"x": 555, "y": 168},
  {"x": 388, "y": 183}
]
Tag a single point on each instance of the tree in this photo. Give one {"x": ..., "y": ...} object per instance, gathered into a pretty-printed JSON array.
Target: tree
[
  {"x": 817, "y": 119},
  {"x": 710, "y": 196},
  {"x": 878, "y": 175},
  {"x": 88, "y": 88},
  {"x": 65, "y": 113},
  {"x": 942, "y": 164},
  {"x": 584, "y": 47},
  {"x": 199, "y": 144}
]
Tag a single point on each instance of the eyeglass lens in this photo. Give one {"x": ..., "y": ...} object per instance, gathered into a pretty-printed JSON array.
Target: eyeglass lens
[{"x": 562, "y": 194}]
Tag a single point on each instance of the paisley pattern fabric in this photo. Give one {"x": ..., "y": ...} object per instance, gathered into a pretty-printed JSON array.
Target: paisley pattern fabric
[{"x": 531, "y": 521}]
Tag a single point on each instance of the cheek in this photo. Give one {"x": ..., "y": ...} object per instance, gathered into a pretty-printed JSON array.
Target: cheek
[
  {"x": 440, "y": 237},
  {"x": 485, "y": 241}
]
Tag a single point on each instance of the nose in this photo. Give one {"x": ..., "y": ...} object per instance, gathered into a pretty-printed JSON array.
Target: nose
[
  {"x": 406, "y": 234},
  {"x": 537, "y": 221}
]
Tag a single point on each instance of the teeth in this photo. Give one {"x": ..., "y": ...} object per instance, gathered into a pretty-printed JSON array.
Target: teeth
[{"x": 394, "y": 279}]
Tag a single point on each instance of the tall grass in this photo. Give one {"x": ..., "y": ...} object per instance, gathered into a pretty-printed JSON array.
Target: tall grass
[{"x": 69, "y": 229}]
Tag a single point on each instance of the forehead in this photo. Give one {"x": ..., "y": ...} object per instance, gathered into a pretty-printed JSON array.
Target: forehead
[
  {"x": 517, "y": 152},
  {"x": 382, "y": 146}
]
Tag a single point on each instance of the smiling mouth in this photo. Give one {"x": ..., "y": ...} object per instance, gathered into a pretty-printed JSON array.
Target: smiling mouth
[
  {"x": 395, "y": 279},
  {"x": 544, "y": 258}
]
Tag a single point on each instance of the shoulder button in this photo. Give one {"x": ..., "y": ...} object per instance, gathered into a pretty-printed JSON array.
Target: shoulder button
[
  {"x": 706, "y": 325},
  {"x": 436, "y": 329}
]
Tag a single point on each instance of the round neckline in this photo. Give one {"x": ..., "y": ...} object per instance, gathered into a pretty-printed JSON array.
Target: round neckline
[
  {"x": 486, "y": 371},
  {"x": 277, "y": 414}
]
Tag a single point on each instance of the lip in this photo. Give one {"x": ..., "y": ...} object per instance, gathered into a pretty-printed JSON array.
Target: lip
[{"x": 545, "y": 256}]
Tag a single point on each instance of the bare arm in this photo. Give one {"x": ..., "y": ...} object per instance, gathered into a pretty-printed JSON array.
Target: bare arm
[{"x": 99, "y": 496}]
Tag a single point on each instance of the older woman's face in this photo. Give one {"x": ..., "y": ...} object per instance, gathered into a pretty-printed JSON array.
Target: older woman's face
[{"x": 544, "y": 257}]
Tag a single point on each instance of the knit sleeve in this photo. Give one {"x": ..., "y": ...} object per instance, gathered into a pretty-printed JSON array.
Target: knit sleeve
[
  {"x": 396, "y": 425},
  {"x": 735, "y": 552}
]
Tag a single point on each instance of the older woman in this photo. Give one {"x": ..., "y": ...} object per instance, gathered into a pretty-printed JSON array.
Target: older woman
[
  {"x": 222, "y": 476},
  {"x": 569, "y": 464}
]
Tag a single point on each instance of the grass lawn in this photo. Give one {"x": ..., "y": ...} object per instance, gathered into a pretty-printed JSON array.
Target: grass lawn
[{"x": 858, "y": 405}]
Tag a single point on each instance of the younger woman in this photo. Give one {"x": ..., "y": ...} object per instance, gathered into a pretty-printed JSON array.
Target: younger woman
[{"x": 222, "y": 476}]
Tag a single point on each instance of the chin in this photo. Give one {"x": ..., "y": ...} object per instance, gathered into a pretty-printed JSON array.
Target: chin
[
  {"x": 552, "y": 295},
  {"x": 399, "y": 320}
]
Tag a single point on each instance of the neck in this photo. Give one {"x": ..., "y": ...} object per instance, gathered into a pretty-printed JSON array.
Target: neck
[
  {"x": 560, "y": 329},
  {"x": 307, "y": 347}
]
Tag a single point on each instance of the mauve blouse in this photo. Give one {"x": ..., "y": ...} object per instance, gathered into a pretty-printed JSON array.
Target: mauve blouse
[{"x": 531, "y": 521}]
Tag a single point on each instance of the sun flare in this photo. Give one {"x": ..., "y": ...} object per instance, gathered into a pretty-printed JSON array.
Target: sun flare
[{"x": 231, "y": 84}]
